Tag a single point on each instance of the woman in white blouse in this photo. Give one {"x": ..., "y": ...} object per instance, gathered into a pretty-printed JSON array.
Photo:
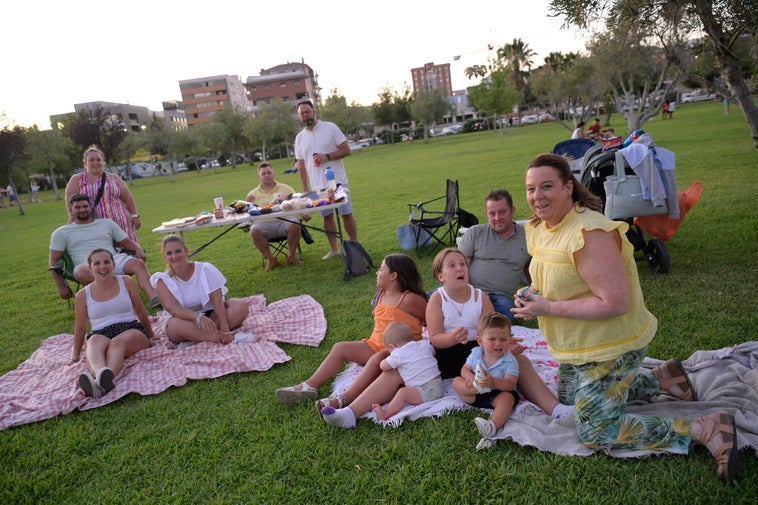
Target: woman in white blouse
[{"x": 193, "y": 293}]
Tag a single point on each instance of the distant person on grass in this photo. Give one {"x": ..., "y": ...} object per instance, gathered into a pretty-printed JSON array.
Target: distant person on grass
[
  {"x": 120, "y": 326},
  {"x": 595, "y": 129},
  {"x": 496, "y": 251}
]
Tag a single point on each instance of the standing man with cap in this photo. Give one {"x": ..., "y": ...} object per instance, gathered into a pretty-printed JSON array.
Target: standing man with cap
[{"x": 318, "y": 145}]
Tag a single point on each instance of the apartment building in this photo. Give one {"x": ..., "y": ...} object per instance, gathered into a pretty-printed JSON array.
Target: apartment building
[
  {"x": 204, "y": 96},
  {"x": 432, "y": 77},
  {"x": 291, "y": 82},
  {"x": 173, "y": 115}
]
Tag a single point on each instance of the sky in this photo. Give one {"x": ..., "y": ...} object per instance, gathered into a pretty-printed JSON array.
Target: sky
[{"x": 57, "y": 54}]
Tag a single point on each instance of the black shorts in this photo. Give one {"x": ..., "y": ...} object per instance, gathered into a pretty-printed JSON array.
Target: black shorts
[
  {"x": 484, "y": 400},
  {"x": 117, "y": 329}
]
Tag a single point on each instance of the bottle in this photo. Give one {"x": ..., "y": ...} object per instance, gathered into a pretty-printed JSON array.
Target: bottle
[
  {"x": 479, "y": 375},
  {"x": 331, "y": 183}
]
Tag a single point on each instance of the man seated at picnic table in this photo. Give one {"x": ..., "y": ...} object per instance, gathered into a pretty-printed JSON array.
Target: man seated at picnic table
[
  {"x": 267, "y": 192},
  {"x": 86, "y": 233},
  {"x": 497, "y": 254}
]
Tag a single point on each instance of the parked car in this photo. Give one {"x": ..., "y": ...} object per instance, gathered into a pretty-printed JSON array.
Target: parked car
[
  {"x": 530, "y": 119},
  {"x": 452, "y": 129},
  {"x": 546, "y": 118},
  {"x": 210, "y": 164},
  {"x": 698, "y": 95}
]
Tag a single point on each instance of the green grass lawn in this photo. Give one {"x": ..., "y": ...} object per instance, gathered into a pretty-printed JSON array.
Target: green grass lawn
[{"x": 227, "y": 440}]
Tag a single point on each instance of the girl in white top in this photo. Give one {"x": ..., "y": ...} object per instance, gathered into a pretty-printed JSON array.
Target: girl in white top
[
  {"x": 120, "y": 327},
  {"x": 193, "y": 293},
  {"x": 452, "y": 329},
  {"x": 453, "y": 312}
]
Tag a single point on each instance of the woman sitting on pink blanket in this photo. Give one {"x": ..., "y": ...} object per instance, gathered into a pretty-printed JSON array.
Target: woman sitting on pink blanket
[
  {"x": 120, "y": 326},
  {"x": 193, "y": 293}
]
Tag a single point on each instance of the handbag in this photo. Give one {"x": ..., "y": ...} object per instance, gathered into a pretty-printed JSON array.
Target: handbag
[
  {"x": 99, "y": 195},
  {"x": 623, "y": 194},
  {"x": 411, "y": 237}
]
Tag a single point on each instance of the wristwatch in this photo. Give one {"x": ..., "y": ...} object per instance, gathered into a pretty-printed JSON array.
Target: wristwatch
[{"x": 135, "y": 216}]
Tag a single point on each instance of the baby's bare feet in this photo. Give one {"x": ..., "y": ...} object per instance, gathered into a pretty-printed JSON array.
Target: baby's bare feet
[{"x": 379, "y": 411}]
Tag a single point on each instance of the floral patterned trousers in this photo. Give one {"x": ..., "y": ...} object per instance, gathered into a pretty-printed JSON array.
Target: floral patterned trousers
[{"x": 599, "y": 392}]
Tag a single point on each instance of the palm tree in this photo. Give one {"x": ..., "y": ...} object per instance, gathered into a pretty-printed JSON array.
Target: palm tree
[{"x": 518, "y": 56}]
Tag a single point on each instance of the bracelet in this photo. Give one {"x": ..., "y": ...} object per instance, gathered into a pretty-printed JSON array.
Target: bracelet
[
  {"x": 328, "y": 157},
  {"x": 200, "y": 315},
  {"x": 135, "y": 216},
  {"x": 75, "y": 358}
]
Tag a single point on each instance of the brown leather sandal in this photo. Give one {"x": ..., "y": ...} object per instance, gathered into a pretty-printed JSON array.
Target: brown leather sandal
[
  {"x": 718, "y": 434},
  {"x": 673, "y": 380}
]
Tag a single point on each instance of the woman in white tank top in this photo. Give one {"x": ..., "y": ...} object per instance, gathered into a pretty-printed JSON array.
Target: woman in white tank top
[{"x": 120, "y": 326}]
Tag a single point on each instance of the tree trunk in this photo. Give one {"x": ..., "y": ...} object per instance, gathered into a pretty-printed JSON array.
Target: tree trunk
[{"x": 730, "y": 67}]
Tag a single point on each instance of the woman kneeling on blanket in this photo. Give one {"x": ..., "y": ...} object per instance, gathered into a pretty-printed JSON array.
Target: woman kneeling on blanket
[
  {"x": 193, "y": 293},
  {"x": 588, "y": 301},
  {"x": 400, "y": 297},
  {"x": 120, "y": 327},
  {"x": 452, "y": 317}
]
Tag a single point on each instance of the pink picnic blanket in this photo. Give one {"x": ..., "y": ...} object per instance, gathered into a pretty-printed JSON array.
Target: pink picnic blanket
[{"x": 45, "y": 385}]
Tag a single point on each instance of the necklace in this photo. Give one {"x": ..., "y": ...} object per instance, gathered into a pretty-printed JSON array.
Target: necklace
[{"x": 458, "y": 307}]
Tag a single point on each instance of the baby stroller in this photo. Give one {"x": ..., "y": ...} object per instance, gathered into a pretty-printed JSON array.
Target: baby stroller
[{"x": 597, "y": 166}]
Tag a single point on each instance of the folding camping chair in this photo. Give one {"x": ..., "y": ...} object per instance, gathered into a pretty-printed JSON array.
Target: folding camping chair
[
  {"x": 278, "y": 245},
  {"x": 435, "y": 227},
  {"x": 65, "y": 268}
]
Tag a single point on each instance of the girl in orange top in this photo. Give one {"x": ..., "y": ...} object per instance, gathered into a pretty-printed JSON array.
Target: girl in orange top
[{"x": 400, "y": 297}]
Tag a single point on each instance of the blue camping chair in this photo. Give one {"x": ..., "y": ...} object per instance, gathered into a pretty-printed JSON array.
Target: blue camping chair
[{"x": 574, "y": 150}]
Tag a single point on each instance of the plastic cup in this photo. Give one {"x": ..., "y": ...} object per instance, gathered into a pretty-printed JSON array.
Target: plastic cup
[{"x": 218, "y": 203}]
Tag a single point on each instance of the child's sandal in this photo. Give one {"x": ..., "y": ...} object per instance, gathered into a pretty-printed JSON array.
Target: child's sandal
[{"x": 333, "y": 401}]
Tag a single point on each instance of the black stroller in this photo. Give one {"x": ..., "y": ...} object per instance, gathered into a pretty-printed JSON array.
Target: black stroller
[{"x": 597, "y": 166}]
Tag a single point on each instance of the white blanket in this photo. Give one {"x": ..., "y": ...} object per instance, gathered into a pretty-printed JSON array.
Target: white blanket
[{"x": 726, "y": 380}]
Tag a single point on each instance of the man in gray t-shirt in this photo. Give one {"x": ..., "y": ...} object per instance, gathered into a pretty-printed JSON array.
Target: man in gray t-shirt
[
  {"x": 497, "y": 254},
  {"x": 86, "y": 233}
]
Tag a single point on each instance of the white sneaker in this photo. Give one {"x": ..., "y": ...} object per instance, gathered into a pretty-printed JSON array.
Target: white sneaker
[
  {"x": 486, "y": 427},
  {"x": 479, "y": 374},
  {"x": 296, "y": 394}
]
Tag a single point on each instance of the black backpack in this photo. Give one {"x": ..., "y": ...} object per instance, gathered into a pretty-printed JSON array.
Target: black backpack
[
  {"x": 357, "y": 260},
  {"x": 466, "y": 219}
]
